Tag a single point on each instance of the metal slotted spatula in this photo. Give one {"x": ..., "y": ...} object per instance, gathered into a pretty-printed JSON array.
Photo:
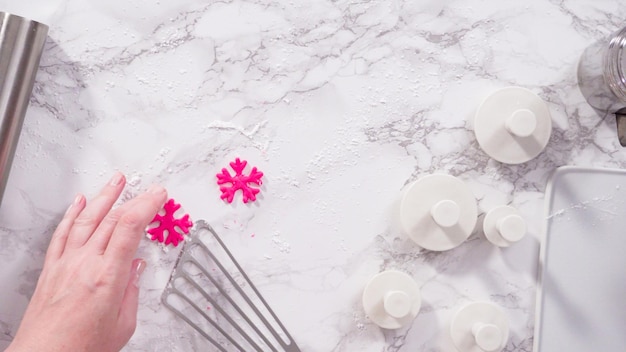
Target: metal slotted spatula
[{"x": 210, "y": 291}]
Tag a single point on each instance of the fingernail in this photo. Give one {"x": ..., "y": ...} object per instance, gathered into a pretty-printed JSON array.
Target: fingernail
[
  {"x": 76, "y": 202},
  {"x": 116, "y": 179},
  {"x": 156, "y": 189},
  {"x": 78, "y": 199},
  {"x": 139, "y": 268}
]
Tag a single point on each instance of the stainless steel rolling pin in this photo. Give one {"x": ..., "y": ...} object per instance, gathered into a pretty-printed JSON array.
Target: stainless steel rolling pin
[{"x": 21, "y": 46}]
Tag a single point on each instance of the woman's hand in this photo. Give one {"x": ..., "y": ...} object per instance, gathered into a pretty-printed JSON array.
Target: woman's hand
[{"x": 86, "y": 296}]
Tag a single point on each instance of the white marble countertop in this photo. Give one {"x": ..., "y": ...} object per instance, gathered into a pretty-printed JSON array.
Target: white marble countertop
[{"x": 341, "y": 104}]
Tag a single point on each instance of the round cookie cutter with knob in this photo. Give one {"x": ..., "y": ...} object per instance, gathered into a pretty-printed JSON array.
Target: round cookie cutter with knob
[
  {"x": 438, "y": 212},
  {"x": 480, "y": 327},
  {"x": 504, "y": 226},
  {"x": 513, "y": 125},
  {"x": 392, "y": 299}
]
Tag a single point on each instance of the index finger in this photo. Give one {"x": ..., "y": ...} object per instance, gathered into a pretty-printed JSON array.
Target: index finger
[{"x": 131, "y": 225}]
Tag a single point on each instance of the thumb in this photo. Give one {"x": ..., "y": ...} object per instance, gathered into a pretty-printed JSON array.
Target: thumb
[{"x": 127, "y": 320}]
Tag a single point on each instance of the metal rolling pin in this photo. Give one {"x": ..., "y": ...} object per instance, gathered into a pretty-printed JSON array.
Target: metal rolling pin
[{"x": 21, "y": 45}]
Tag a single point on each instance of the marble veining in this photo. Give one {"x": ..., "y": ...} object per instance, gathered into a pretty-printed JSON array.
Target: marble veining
[{"x": 341, "y": 104}]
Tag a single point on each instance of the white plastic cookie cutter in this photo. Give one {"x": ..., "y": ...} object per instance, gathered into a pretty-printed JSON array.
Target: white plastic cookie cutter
[
  {"x": 392, "y": 299},
  {"x": 480, "y": 327},
  {"x": 504, "y": 226},
  {"x": 438, "y": 212},
  {"x": 513, "y": 125}
]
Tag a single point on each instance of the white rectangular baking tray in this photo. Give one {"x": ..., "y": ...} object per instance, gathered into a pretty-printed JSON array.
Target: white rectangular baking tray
[{"x": 582, "y": 282}]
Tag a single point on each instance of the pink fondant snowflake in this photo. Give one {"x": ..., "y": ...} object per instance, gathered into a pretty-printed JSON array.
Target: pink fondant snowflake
[
  {"x": 239, "y": 182},
  {"x": 170, "y": 225}
]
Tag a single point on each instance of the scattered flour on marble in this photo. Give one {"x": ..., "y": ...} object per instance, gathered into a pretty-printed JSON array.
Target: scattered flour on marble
[
  {"x": 358, "y": 320},
  {"x": 234, "y": 224},
  {"x": 223, "y": 125},
  {"x": 162, "y": 154},
  {"x": 342, "y": 245},
  {"x": 134, "y": 180},
  {"x": 285, "y": 178},
  {"x": 280, "y": 244}
]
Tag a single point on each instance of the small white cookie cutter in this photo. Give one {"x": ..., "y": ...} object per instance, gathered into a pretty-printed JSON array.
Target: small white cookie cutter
[
  {"x": 504, "y": 226},
  {"x": 392, "y": 299},
  {"x": 480, "y": 327}
]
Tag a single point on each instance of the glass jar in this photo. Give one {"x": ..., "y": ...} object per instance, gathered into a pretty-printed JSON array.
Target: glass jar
[
  {"x": 615, "y": 65},
  {"x": 602, "y": 78}
]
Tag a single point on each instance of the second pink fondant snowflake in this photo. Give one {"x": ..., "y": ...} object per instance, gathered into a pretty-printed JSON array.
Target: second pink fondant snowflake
[
  {"x": 239, "y": 182},
  {"x": 170, "y": 228}
]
